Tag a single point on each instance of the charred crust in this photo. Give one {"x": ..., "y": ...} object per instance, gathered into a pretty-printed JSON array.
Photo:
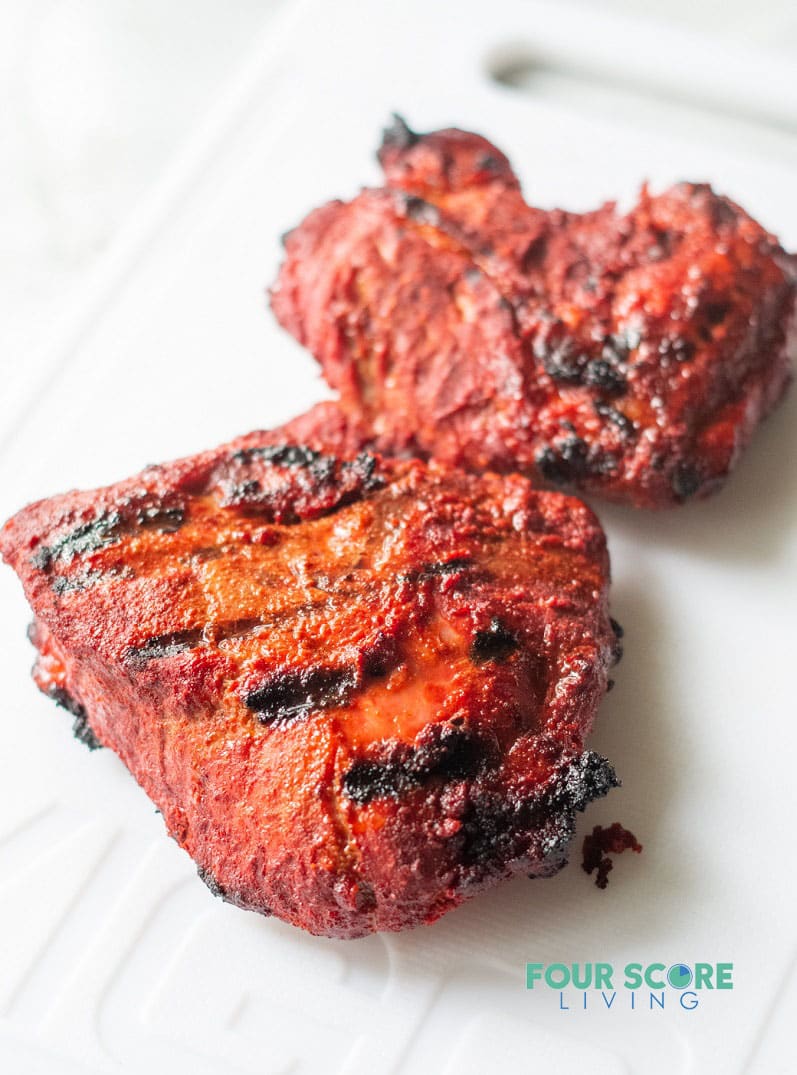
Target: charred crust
[
  {"x": 566, "y": 462},
  {"x": 496, "y": 831},
  {"x": 601, "y": 373},
  {"x": 564, "y": 366},
  {"x": 496, "y": 643},
  {"x": 366, "y": 467},
  {"x": 367, "y": 780},
  {"x": 444, "y": 751},
  {"x": 584, "y": 779},
  {"x": 289, "y": 695},
  {"x": 81, "y": 729},
  {"x": 685, "y": 481},
  {"x": 617, "y": 418},
  {"x": 282, "y": 455},
  {"x": 207, "y": 877},
  {"x": 617, "y": 648},
  {"x": 446, "y": 567},
  {"x": 561, "y": 361},
  {"x": 398, "y": 134}
]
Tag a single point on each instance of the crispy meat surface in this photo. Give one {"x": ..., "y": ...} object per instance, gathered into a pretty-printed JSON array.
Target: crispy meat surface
[
  {"x": 357, "y": 689},
  {"x": 628, "y": 354}
]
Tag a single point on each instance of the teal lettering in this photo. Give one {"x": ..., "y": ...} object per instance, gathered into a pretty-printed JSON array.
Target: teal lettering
[
  {"x": 557, "y": 976},
  {"x": 724, "y": 972},
  {"x": 649, "y": 982},
  {"x": 633, "y": 975}
]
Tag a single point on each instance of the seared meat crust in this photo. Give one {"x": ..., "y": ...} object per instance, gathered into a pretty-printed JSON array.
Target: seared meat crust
[
  {"x": 357, "y": 689},
  {"x": 631, "y": 355}
]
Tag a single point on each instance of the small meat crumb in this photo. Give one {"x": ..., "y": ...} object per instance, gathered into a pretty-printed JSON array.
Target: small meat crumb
[{"x": 600, "y": 843}]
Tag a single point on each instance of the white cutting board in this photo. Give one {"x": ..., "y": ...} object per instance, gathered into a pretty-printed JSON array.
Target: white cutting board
[{"x": 112, "y": 954}]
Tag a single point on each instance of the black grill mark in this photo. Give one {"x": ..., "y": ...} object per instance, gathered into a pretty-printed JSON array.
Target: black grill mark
[
  {"x": 316, "y": 473},
  {"x": 147, "y": 512},
  {"x": 448, "y": 752},
  {"x": 287, "y": 696},
  {"x": 174, "y": 642},
  {"x": 496, "y": 643},
  {"x": 167, "y": 645},
  {"x": 86, "y": 538},
  {"x": 62, "y": 584},
  {"x": 81, "y": 729},
  {"x": 283, "y": 455},
  {"x": 446, "y": 567},
  {"x": 165, "y": 518}
]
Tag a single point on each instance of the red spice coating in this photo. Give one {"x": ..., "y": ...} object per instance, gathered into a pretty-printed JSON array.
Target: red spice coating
[
  {"x": 357, "y": 689},
  {"x": 631, "y": 355}
]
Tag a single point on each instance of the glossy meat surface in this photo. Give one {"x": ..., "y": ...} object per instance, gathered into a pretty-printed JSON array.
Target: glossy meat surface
[
  {"x": 627, "y": 354},
  {"x": 357, "y": 689}
]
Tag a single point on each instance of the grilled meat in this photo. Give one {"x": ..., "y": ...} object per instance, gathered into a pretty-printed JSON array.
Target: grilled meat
[
  {"x": 357, "y": 689},
  {"x": 631, "y": 355}
]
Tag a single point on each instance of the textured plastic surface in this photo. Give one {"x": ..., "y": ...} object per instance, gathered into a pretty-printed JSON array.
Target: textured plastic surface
[{"x": 112, "y": 953}]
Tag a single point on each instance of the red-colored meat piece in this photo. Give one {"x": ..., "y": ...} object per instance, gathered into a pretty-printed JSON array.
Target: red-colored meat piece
[
  {"x": 357, "y": 689},
  {"x": 628, "y": 354}
]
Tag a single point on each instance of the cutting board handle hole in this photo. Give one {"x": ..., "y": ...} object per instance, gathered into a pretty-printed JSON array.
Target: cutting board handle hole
[{"x": 597, "y": 84}]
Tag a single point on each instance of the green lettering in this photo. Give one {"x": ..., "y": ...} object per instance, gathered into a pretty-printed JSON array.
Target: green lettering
[
  {"x": 649, "y": 976},
  {"x": 633, "y": 975},
  {"x": 724, "y": 973}
]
